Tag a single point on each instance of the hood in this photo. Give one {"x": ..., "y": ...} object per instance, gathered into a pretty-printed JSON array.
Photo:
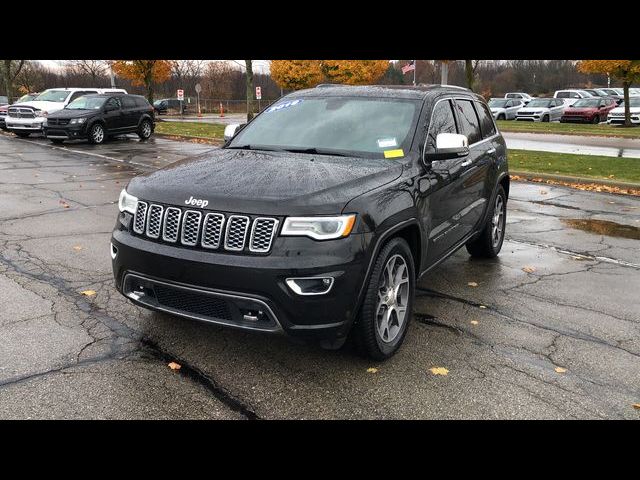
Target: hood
[
  {"x": 73, "y": 113},
  {"x": 266, "y": 183},
  {"x": 533, "y": 109},
  {"x": 47, "y": 106},
  {"x": 621, "y": 110}
]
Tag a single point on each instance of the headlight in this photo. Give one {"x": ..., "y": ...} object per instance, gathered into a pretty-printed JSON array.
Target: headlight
[
  {"x": 319, "y": 228},
  {"x": 42, "y": 113},
  {"x": 127, "y": 203},
  {"x": 77, "y": 120}
]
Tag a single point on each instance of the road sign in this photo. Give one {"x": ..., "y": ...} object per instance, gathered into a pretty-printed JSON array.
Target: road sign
[
  {"x": 198, "y": 88},
  {"x": 181, "y": 94},
  {"x": 258, "y": 93}
]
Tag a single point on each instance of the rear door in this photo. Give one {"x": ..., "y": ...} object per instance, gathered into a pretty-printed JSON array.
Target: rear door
[
  {"x": 113, "y": 118},
  {"x": 129, "y": 112}
]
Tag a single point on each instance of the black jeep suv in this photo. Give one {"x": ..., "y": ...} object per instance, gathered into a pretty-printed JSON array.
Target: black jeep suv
[
  {"x": 319, "y": 216},
  {"x": 99, "y": 116}
]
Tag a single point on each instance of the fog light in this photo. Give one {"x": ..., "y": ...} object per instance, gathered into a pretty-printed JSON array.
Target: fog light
[
  {"x": 310, "y": 285},
  {"x": 114, "y": 252}
]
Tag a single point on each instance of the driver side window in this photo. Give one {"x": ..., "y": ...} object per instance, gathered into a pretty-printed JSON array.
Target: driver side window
[{"x": 442, "y": 121}]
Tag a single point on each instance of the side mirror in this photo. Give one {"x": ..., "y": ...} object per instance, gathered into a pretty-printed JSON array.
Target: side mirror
[
  {"x": 448, "y": 146},
  {"x": 231, "y": 130}
]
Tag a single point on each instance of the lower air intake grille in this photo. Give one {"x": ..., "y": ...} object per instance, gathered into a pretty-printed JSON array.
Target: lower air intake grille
[{"x": 192, "y": 302}]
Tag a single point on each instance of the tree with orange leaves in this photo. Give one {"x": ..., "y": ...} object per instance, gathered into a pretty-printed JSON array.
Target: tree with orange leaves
[
  {"x": 143, "y": 72},
  {"x": 297, "y": 74},
  {"x": 626, "y": 70}
]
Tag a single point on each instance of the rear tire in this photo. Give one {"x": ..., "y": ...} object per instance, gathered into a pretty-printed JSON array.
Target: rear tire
[
  {"x": 97, "y": 134},
  {"x": 489, "y": 242},
  {"x": 145, "y": 130},
  {"x": 385, "y": 314},
  {"x": 22, "y": 134}
]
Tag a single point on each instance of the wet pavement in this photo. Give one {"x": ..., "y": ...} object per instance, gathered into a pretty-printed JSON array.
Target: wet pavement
[
  {"x": 552, "y": 329},
  {"x": 577, "y": 144},
  {"x": 228, "y": 118}
]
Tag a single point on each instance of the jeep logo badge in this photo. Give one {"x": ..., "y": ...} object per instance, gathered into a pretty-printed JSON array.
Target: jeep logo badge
[{"x": 196, "y": 202}]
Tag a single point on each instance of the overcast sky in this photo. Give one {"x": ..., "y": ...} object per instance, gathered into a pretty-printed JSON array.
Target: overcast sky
[{"x": 259, "y": 66}]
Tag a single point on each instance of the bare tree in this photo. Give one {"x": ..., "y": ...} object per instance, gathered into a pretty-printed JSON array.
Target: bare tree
[
  {"x": 249, "y": 66},
  {"x": 94, "y": 68},
  {"x": 470, "y": 67},
  {"x": 11, "y": 70}
]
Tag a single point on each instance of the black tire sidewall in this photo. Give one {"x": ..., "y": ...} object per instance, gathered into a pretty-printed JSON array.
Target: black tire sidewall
[{"x": 381, "y": 350}]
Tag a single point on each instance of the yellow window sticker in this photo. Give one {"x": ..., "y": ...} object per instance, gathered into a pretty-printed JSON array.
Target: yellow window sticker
[{"x": 394, "y": 153}]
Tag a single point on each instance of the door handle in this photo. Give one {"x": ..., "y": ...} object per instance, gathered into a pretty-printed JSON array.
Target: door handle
[
  {"x": 466, "y": 163},
  {"x": 491, "y": 151}
]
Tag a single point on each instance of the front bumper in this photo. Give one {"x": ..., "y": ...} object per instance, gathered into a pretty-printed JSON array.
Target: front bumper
[
  {"x": 635, "y": 119},
  {"x": 253, "y": 285},
  {"x": 65, "y": 131},
  {"x": 530, "y": 117},
  {"x": 577, "y": 118},
  {"x": 25, "y": 124}
]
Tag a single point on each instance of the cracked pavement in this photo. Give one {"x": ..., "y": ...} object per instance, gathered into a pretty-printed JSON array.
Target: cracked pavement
[{"x": 68, "y": 355}]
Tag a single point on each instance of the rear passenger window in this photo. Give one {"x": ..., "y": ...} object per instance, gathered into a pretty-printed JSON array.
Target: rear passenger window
[
  {"x": 141, "y": 102},
  {"x": 442, "y": 121},
  {"x": 128, "y": 102},
  {"x": 486, "y": 123},
  {"x": 469, "y": 123}
]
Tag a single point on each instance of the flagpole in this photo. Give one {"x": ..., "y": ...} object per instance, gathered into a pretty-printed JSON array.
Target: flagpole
[{"x": 415, "y": 65}]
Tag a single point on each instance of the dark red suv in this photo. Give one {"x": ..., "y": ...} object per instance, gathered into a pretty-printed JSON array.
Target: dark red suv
[{"x": 588, "y": 110}]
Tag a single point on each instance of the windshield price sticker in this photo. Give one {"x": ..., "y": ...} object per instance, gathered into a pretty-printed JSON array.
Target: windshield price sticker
[
  {"x": 387, "y": 142},
  {"x": 394, "y": 153},
  {"x": 280, "y": 106}
]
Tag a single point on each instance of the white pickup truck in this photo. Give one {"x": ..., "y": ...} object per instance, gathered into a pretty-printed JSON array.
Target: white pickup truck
[{"x": 26, "y": 118}]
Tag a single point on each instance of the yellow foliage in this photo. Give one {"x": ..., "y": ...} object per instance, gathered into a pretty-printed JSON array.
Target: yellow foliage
[
  {"x": 143, "y": 72},
  {"x": 626, "y": 70},
  {"x": 297, "y": 74}
]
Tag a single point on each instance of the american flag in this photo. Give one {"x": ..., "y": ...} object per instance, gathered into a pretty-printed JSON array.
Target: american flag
[{"x": 408, "y": 67}]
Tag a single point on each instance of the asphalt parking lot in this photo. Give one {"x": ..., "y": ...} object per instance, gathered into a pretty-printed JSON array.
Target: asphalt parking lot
[{"x": 550, "y": 329}]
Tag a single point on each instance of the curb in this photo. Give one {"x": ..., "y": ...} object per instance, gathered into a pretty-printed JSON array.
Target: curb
[
  {"x": 570, "y": 179},
  {"x": 209, "y": 140}
]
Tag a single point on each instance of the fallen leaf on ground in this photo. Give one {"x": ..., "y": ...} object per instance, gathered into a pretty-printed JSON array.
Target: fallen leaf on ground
[
  {"x": 560, "y": 370},
  {"x": 77, "y": 247},
  {"x": 529, "y": 269},
  {"x": 88, "y": 293},
  {"x": 636, "y": 406},
  {"x": 439, "y": 371},
  {"x": 174, "y": 366},
  {"x": 482, "y": 306},
  {"x": 472, "y": 284},
  {"x": 372, "y": 370},
  {"x": 474, "y": 322}
]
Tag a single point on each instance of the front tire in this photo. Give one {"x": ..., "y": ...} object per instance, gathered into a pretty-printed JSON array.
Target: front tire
[
  {"x": 545, "y": 119},
  {"x": 489, "y": 241},
  {"x": 502, "y": 117},
  {"x": 384, "y": 317},
  {"x": 145, "y": 130},
  {"x": 96, "y": 134},
  {"x": 596, "y": 120},
  {"x": 57, "y": 141}
]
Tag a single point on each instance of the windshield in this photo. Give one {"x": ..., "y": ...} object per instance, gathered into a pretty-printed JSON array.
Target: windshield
[
  {"x": 86, "y": 103},
  {"x": 53, "y": 96},
  {"x": 587, "y": 102},
  {"x": 4, "y": 99},
  {"x": 539, "y": 102},
  {"x": 633, "y": 102},
  {"x": 25, "y": 98},
  {"x": 157, "y": 103},
  {"x": 358, "y": 126},
  {"x": 497, "y": 103}
]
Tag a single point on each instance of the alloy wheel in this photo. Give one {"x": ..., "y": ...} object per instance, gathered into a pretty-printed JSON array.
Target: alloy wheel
[
  {"x": 497, "y": 221},
  {"x": 393, "y": 298}
]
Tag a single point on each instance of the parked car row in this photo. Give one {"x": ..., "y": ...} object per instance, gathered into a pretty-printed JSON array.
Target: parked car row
[
  {"x": 94, "y": 114},
  {"x": 593, "y": 105}
]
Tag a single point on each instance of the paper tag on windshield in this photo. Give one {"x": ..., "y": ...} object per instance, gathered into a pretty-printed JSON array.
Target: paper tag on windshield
[
  {"x": 387, "y": 142},
  {"x": 394, "y": 153}
]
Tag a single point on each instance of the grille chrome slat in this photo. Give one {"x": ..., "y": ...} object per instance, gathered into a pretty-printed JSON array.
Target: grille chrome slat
[
  {"x": 154, "y": 220},
  {"x": 190, "y": 228},
  {"x": 171, "y": 224},
  {"x": 212, "y": 230},
  {"x": 262, "y": 232},
  {"x": 139, "y": 220},
  {"x": 236, "y": 232}
]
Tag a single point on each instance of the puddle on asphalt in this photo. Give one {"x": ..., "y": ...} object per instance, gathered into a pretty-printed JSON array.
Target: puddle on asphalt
[{"x": 604, "y": 227}]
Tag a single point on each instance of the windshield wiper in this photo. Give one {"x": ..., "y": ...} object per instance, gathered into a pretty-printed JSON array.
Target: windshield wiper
[{"x": 316, "y": 151}]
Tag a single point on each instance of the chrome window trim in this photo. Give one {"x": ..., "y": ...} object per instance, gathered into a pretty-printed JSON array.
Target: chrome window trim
[
  {"x": 149, "y": 218},
  {"x": 222, "y": 230},
  {"x": 144, "y": 222},
  {"x": 273, "y": 234},
  {"x": 226, "y": 233},
  {"x": 164, "y": 224},
  {"x": 184, "y": 222}
]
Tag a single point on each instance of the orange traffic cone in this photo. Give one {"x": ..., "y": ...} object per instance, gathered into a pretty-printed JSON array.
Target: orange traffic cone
[{"x": 221, "y": 110}]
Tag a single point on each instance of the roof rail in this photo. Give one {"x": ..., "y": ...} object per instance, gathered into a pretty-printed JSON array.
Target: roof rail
[{"x": 328, "y": 85}]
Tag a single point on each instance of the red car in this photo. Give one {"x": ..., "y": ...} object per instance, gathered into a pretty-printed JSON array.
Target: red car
[{"x": 588, "y": 110}]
